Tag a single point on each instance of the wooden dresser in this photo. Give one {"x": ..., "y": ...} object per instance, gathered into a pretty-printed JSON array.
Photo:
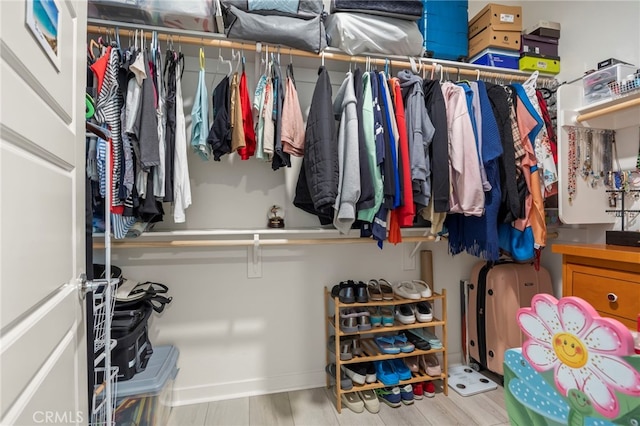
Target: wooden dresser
[{"x": 606, "y": 276}]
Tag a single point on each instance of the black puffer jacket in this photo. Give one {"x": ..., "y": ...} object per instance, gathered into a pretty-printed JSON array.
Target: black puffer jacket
[{"x": 317, "y": 186}]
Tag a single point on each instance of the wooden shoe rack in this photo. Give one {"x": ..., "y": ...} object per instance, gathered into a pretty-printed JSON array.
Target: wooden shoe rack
[{"x": 370, "y": 350}]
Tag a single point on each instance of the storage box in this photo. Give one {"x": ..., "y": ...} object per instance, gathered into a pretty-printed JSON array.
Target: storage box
[
  {"x": 133, "y": 347},
  {"x": 498, "y": 17},
  {"x": 147, "y": 398},
  {"x": 541, "y": 63},
  {"x": 507, "y": 40},
  {"x": 544, "y": 29},
  {"x": 538, "y": 45},
  {"x": 444, "y": 28},
  {"x": 497, "y": 58},
  {"x": 596, "y": 85}
]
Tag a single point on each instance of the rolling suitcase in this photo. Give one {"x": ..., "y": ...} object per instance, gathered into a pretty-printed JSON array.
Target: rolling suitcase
[{"x": 496, "y": 292}]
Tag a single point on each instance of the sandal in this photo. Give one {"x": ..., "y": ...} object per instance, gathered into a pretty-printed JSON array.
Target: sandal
[
  {"x": 375, "y": 316},
  {"x": 387, "y": 316},
  {"x": 422, "y": 287},
  {"x": 345, "y": 348},
  {"x": 349, "y": 325},
  {"x": 403, "y": 343},
  {"x": 375, "y": 293},
  {"x": 386, "y": 289},
  {"x": 407, "y": 290},
  {"x": 387, "y": 345}
]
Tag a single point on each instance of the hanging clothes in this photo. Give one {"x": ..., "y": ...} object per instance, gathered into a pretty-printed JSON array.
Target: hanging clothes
[
  {"x": 280, "y": 158},
  {"x": 406, "y": 212},
  {"x": 267, "y": 118},
  {"x": 219, "y": 138},
  {"x": 172, "y": 60},
  {"x": 420, "y": 133},
  {"x": 159, "y": 172},
  {"x": 181, "y": 183},
  {"x": 367, "y": 197},
  {"x": 237, "y": 127},
  {"x": 317, "y": 186},
  {"x": 249, "y": 149},
  {"x": 440, "y": 180},
  {"x": 147, "y": 121},
  {"x": 344, "y": 106},
  {"x": 467, "y": 195},
  {"x": 292, "y": 121},
  {"x": 379, "y": 224},
  {"x": 369, "y": 134},
  {"x": 510, "y": 204},
  {"x": 258, "y": 106},
  {"x": 200, "y": 115}
]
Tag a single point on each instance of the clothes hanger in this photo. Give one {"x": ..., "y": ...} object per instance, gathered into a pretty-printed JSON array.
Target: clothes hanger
[
  {"x": 222, "y": 60},
  {"x": 202, "y": 59}
]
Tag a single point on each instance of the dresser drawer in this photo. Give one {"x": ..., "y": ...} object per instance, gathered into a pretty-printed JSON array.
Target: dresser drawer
[{"x": 596, "y": 284}]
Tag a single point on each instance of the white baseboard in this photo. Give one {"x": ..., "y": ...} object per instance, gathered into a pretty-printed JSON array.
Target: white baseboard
[{"x": 246, "y": 388}]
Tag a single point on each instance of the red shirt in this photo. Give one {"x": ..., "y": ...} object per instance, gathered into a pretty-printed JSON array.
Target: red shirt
[
  {"x": 247, "y": 121},
  {"x": 406, "y": 211}
]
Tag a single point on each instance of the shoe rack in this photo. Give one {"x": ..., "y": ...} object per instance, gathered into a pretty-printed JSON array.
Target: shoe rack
[{"x": 371, "y": 351}]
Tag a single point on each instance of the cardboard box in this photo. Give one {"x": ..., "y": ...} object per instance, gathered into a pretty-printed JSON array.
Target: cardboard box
[
  {"x": 508, "y": 40},
  {"x": 545, "y": 29},
  {"x": 498, "y": 17},
  {"x": 497, "y": 58},
  {"x": 541, "y": 63},
  {"x": 539, "y": 45}
]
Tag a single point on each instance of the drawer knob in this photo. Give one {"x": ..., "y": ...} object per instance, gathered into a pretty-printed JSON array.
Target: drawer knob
[{"x": 612, "y": 297}]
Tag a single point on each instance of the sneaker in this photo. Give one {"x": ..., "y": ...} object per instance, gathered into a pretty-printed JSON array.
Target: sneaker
[
  {"x": 390, "y": 396},
  {"x": 429, "y": 389},
  {"x": 370, "y": 399},
  {"x": 356, "y": 372},
  {"x": 405, "y": 314},
  {"x": 371, "y": 376},
  {"x": 418, "y": 390},
  {"x": 352, "y": 401},
  {"x": 423, "y": 311},
  {"x": 406, "y": 394},
  {"x": 401, "y": 369}
]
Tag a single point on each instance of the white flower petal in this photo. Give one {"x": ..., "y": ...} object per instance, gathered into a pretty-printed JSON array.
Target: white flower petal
[
  {"x": 615, "y": 372},
  {"x": 541, "y": 357},
  {"x": 601, "y": 396},
  {"x": 575, "y": 319},
  {"x": 548, "y": 312},
  {"x": 533, "y": 326},
  {"x": 565, "y": 379},
  {"x": 606, "y": 336}
]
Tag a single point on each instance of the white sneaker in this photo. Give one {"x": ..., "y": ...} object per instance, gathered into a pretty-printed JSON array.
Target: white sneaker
[
  {"x": 355, "y": 372},
  {"x": 370, "y": 399},
  {"x": 352, "y": 401},
  {"x": 423, "y": 288}
]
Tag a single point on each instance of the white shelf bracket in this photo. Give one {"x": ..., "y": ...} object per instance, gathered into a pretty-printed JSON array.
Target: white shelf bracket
[{"x": 254, "y": 260}]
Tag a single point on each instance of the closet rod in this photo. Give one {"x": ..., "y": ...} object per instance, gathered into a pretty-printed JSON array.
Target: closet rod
[
  {"x": 203, "y": 39},
  {"x": 608, "y": 110},
  {"x": 243, "y": 243}
]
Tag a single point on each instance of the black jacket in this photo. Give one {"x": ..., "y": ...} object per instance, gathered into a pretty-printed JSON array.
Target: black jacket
[
  {"x": 510, "y": 205},
  {"x": 439, "y": 146},
  {"x": 317, "y": 186}
]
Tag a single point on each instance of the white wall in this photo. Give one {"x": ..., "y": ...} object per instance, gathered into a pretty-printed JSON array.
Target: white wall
[{"x": 240, "y": 336}]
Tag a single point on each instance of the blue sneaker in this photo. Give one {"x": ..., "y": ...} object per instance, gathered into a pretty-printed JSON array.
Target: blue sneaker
[
  {"x": 386, "y": 374},
  {"x": 390, "y": 396},
  {"x": 400, "y": 369},
  {"x": 406, "y": 394}
]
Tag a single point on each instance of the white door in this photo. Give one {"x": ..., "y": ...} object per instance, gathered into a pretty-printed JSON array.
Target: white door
[{"x": 42, "y": 332}]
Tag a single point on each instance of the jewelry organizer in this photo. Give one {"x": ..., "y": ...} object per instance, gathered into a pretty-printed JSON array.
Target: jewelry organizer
[{"x": 598, "y": 150}]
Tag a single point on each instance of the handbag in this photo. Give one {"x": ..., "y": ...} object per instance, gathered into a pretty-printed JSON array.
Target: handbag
[
  {"x": 131, "y": 295},
  {"x": 517, "y": 244}
]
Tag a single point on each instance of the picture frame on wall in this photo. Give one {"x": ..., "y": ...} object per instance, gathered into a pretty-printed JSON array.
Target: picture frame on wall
[{"x": 43, "y": 19}]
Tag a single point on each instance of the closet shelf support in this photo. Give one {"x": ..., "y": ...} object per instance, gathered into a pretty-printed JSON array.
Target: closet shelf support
[{"x": 254, "y": 259}]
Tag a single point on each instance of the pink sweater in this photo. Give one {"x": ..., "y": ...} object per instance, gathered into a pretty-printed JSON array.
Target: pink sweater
[{"x": 466, "y": 195}]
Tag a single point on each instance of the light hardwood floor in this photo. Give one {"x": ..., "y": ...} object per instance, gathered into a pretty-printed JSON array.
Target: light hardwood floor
[{"x": 317, "y": 407}]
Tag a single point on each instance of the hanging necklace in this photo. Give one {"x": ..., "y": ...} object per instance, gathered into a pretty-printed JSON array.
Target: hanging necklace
[{"x": 573, "y": 165}]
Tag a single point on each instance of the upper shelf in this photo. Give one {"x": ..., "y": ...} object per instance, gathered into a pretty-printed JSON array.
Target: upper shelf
[{"x": 613, "y": 114}]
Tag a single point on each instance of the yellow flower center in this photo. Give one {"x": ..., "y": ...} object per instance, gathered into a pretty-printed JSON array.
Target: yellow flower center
[{"x": 570, "y": 350}]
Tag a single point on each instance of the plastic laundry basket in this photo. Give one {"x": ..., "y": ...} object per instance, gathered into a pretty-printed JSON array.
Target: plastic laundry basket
[{"x": 146, "y": 399}]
